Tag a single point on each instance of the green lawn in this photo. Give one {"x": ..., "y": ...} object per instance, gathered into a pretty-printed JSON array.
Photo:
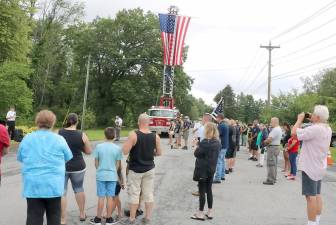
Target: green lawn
[
  {"x": 98, "y": 134},
  {"x": 333, "y": 153}
]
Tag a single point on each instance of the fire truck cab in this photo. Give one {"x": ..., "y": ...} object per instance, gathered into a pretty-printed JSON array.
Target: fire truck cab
[{"x": 160, "y": 118}]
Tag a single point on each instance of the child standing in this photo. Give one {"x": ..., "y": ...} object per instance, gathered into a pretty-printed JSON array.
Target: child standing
[
  {"x": 293, "y": 149},
  {"x": 108, "y": 164}
]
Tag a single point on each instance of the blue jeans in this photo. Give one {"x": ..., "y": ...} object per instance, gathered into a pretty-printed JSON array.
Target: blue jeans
[
  {"x": 292, "y": 160},
  {"x": 220, "y": 168}
]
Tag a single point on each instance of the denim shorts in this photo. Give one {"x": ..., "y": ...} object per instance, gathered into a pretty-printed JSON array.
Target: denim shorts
[
  {"x": 106, "y": 188},
  {"x": 77, "y": 180}
]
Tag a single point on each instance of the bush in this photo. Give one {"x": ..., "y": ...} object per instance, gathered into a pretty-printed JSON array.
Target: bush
[
  {"x": 26, "y": 130},
  {"x": 90, "y": 119}
]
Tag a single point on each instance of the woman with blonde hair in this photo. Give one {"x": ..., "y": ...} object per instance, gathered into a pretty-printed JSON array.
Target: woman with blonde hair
[{"x": 206, "y": 160}]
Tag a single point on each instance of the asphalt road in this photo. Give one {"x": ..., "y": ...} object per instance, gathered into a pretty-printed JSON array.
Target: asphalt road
[{"x": 240, "y": 200}]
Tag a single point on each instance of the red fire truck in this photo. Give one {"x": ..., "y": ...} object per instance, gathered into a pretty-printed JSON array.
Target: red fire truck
[{"x": 160, "y": 116}]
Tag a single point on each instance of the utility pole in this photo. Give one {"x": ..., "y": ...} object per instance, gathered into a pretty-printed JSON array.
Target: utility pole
[
  {"x": 85, "y": 92},
  {"x": 269, "y": 48}
]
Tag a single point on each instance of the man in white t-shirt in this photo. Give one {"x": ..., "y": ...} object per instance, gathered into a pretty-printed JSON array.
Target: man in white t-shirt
[
  {"x": 11, "y": 117},
  {"x": 273, "y": 150},
  {"x": 118, "y": 123}
]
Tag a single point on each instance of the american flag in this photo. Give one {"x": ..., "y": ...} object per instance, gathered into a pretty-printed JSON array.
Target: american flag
[
  {"x": 219, "y": 108},
  {"x": 173, "y": 32}
]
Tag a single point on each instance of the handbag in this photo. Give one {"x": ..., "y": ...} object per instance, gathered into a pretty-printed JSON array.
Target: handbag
[{"x": 201, "y": 169}]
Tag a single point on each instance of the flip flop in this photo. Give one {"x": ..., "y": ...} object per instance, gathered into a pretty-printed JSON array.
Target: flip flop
[
  {"x": 209, "y": 217},
  {"x": 195, "y": 217}
]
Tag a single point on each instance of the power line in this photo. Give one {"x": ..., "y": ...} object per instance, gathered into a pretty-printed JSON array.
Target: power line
[
  {"x": 304, "y": 55},
  {"x": 308, "y": 46},
  {"x": 317, "y": 63},
  {"x": 254, "y": 62},
  {"x": 256, "y": 77},
  {"x": 308, "y": 32},
  {"x": 296, "y": 74},
  {"x": 307, "y": 19}
]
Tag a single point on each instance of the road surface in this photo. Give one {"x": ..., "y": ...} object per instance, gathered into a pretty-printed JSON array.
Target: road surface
[{"x": 241, "y": 200}]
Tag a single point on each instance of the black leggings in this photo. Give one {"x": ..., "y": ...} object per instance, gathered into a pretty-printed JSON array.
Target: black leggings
[
  {"x": 205, "y": 187},
  {"x": 36, "y": 207}
]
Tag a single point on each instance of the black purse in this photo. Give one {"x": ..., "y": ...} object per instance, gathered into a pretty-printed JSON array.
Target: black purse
[{"x": 201, "y": 169}]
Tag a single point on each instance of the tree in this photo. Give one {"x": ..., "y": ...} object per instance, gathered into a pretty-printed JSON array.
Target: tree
[
  {"x": 15, "y": 28},
  {"x": 13, "y": 87},
  {"x": 229, "y": 101}
]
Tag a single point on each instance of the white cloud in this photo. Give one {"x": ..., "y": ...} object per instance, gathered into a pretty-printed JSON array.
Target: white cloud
[{"x": 225, "y": 35}]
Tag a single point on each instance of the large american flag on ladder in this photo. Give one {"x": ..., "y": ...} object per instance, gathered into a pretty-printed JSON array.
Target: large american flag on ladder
[{"x": 173, "y": 32}]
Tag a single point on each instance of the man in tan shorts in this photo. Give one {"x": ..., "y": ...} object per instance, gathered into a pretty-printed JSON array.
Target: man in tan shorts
[{"x": 142, "y": 145}]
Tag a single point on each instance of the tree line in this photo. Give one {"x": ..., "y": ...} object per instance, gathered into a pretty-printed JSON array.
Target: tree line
[{"x": 44, "y": 50}]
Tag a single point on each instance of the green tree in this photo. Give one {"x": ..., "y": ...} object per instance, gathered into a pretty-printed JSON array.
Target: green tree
[
  {"x": 229, "y": 101},
  {"x": 13, "y": 87}
]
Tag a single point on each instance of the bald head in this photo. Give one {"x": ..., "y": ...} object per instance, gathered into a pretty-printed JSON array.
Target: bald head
[
  {"x": 275, "y": 122},
  {"x": 143, "y": 120}
]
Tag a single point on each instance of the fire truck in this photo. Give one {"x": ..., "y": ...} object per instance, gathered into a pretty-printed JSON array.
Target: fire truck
[{"x": 161, "y": 116}]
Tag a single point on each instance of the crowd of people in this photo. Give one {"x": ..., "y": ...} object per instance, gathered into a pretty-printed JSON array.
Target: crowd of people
[
  {"x": 49, "y": 160},
  {"x": 219, "y": 140}
]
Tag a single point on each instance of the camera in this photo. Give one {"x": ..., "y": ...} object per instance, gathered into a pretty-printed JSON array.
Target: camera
[{"x": 307, "y": 115}]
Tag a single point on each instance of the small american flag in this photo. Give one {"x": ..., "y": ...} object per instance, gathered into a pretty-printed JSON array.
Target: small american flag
[{"x": 173, "y": 32}]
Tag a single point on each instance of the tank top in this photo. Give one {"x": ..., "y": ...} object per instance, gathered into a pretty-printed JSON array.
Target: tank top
[
  {"x": 74, "y": 139},
  {"x": 141, "y": 156}
]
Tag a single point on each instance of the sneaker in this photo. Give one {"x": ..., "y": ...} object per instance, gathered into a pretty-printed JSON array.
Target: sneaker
[
  {"x": 195, "y": 193},
  {"x": 291, "y": 177},
  {"x": 110, "y": 221},
  {"x": 227, "y": 171},
  {"x": 216, "y": 182},
  {"x": 139, "y": 212},
  {"x": 145, "y": 221},
  {"x": 231, "y": 170},
  {"x": 268, "y": 182},
  {"x": 223, "y": 178},
  {"x": 251, "y": 158},
  {"x": 96, "y": 221},
  {"x": 259, "y": 165},
  {"x": 254, "y": 159}
]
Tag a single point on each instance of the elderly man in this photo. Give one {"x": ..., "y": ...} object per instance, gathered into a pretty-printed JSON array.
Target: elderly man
[
  {"x": 313, "y": 158},
  {"x": 273, "y": 150},
  {"x": 141, "y": 146}
]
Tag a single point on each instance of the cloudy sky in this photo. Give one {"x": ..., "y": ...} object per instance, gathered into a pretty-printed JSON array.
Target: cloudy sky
[{"x": 225, "y": 37}]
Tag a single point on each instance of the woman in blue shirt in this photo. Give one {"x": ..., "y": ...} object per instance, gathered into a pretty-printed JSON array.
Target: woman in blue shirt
[{"x": 43, "y": 155}]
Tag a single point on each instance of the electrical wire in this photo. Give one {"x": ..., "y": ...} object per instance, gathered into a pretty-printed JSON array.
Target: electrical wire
[
  {"x": 256, "y": 77},
  {"x": 308, "y": 32},
  {"x": 284, "y": 60},
  {"x": 299, "y": 69},
  {"x": 306, "y": 47},
  {"x": 307, "y": 19}
]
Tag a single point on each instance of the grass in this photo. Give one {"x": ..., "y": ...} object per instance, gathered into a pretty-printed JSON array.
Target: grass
[
  {"x": 333, "y": 153},
  {"x": 98, "y": 134}
]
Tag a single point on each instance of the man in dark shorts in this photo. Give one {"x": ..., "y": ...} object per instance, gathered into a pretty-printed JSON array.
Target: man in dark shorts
[
  {"x": 313, "y": 158},
  {"x": 254, "y": 134},
  {"x": 231, "y": 152}
]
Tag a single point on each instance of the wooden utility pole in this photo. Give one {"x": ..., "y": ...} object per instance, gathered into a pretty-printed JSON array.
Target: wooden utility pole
[
  {"x": 269, "y": 48},
  {"x": 86, "y": 91}
]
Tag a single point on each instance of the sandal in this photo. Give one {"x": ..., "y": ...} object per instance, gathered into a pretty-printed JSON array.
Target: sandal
[
  {"x": 83, "y": 219},
  {"x": 195, "y": 217}
]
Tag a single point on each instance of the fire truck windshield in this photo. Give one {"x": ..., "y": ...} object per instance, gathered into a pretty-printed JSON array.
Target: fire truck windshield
[{"x": 161, "y": 113}]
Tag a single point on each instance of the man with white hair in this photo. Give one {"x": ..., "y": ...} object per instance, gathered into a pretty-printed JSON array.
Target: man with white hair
[
  {"x": 273, "y": 150},
  {"x": 313, "y": 158},
  {"x": 142, "y": 145},
  {"x": 118, "y": 124}
]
